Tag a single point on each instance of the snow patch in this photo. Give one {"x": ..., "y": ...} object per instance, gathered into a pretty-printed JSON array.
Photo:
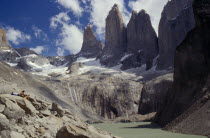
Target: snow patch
[{"x": 126, "y": 56}]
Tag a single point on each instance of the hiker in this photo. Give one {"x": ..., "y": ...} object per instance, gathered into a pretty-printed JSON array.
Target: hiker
[
  {"x": 16, "y": 94},
  {"x": 22, "y": 94}
]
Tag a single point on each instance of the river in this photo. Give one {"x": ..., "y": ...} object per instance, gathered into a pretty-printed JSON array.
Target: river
[{"x": 140, "y": 130}]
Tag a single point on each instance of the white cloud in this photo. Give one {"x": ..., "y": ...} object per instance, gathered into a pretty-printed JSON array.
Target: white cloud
[
  {"x": 60, "y": 51},
  {"x": 16, "y": 36},
  {"x": 71, "y": 37},
  {"x": 38, "y": 33},
  {"x": 152, "y": 7},
  {"x": 100, "y": 10},
  {"x": 38, "y": 49},
  {"x": 60, "y": 18},
  {"x": 73, "y": 5}
]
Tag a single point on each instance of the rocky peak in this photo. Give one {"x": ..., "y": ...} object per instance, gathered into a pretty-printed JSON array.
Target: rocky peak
[
  {"x": 91, "y": 47},
  {"x": 142, "y": 40},
  {"x": 4, "y": 44},
  {"x": 176, "y": 21},
  {"x": 115, "y": 38},
  {"x": 89, "y": 33}
]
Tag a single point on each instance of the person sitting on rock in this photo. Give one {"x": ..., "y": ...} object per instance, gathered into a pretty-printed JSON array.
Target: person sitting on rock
[
  {"x": 22, "y": 94},
  {"x": 14, "y": 94}
]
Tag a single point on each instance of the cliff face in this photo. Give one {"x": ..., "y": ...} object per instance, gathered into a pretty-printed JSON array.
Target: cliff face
[
  {"x": 91, "y": 47},
  {"x": 141, "y": 38},
  {"x": 115, "y": 41},
  {"x": 176, "y": 21},
  {"x": 191, "y": 72},
  {"x": 154, "y": 94}
]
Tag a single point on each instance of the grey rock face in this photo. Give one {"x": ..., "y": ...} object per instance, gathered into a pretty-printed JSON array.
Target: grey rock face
[
  {"x": 115, "y": 41},
  {"x": 91, "y": 47},
  {"x": 191, "y": 73},
  {"x": 141, "y": 37},
  {"x": 106, "y": 95},
  {"x": 154, "y": 94},
  {"x": 176, "y": 21}
]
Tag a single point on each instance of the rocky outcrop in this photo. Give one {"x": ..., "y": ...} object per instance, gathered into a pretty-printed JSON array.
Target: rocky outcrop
[
  {"x": 154, "y": 94},
  {"x": 191, "y": 76},
  {"x": 7, "y": 53},
  {"x": 115, "y": 41},
  {"x": 24, "y": 118},
  {"x": 176, "y": 21},
  {"x": 75, "y": 131},
  {"x": 141, "y": 38},
  {"x": 91, "y": 47}
]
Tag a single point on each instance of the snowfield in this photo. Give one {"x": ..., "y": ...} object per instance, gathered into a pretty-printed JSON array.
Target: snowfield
[{"x": 42, "y": 67}]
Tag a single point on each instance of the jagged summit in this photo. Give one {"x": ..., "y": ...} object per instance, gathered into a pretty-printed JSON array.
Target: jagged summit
[
  {"x": 91, "y": 47},
  {"x": 115, "y": 38},
  {"x": 142, "y": 41}
]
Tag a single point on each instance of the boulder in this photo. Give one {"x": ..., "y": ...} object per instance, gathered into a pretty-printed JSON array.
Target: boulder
[
  {"x": 2, "y": 107},
  {"x": 16, "y": 135},
  {"x": 72, "y": 131},
  {"x": 58, "y": 109},
  {"x": 4, "y": 123},
  {"x": 26, "y": 106},
  {"x": 75, "y": 131},
  {"x": 12, "y": 110}
]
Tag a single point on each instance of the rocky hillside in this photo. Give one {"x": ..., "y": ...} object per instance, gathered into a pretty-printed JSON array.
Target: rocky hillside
[
  {"x": 176, "y": 21},
  {"x": 34, "y": 118},
  {"x": 191, "y": 78},
  {"x": 13, "y": 80}
]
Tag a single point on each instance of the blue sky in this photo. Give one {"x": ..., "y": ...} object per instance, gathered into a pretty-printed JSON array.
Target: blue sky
[{"x": 55, "y": 27}]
